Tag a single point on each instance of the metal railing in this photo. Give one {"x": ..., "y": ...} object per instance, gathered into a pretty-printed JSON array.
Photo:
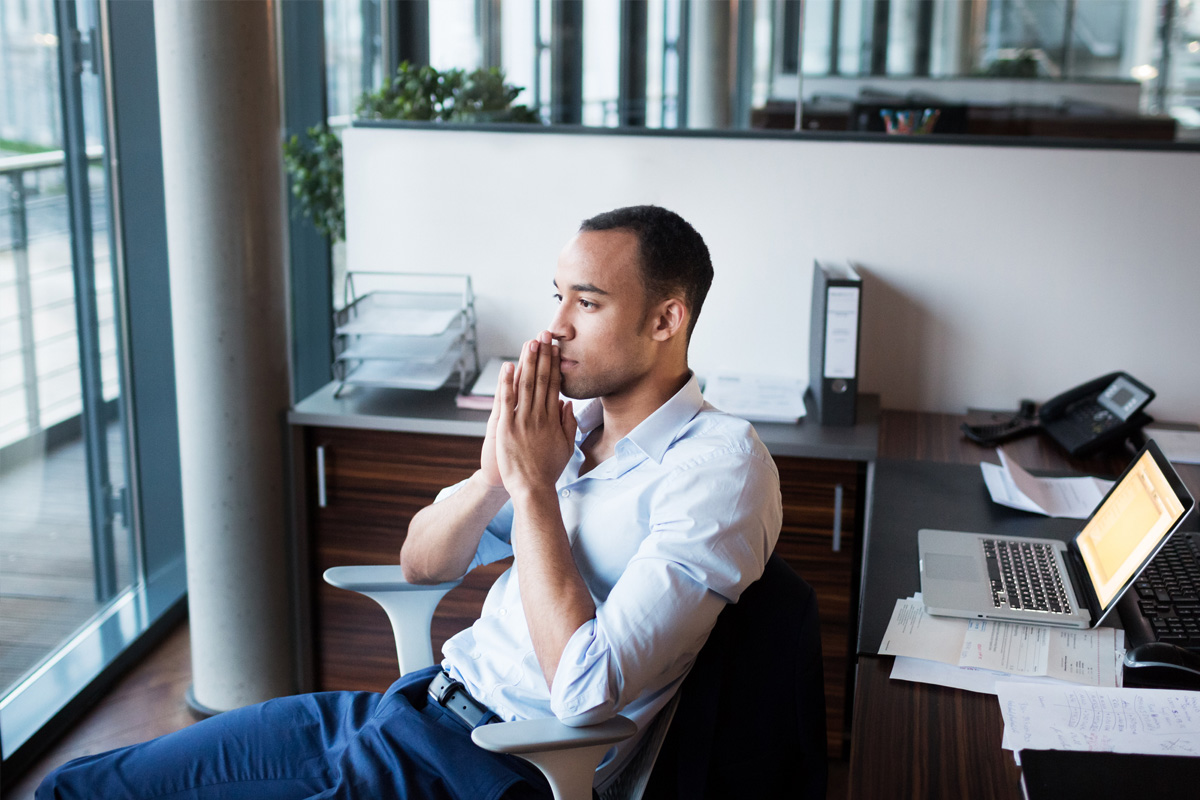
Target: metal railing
[{"x": 37, "y": 299}]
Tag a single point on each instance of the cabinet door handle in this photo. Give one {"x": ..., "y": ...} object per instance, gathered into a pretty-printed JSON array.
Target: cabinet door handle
[
  {"x": 321, "y": 498},
  {"x": 837, "y": 518}
]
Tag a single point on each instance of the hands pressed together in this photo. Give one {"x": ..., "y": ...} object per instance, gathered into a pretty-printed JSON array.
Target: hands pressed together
[{"x": 531, "y": 432}]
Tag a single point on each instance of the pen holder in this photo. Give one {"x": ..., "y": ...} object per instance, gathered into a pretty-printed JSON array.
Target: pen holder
[{"x": 909, "y": 121}]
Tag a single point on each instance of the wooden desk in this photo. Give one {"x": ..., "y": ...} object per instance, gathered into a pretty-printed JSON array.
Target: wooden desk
[{"x": 917, "y": 740}]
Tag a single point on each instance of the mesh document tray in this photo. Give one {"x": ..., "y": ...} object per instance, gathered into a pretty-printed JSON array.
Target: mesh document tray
[{"x": 407, "y": 331}]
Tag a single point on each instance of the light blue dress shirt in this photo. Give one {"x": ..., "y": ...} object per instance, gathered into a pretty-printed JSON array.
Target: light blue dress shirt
[{"x": 677, "y": 523}]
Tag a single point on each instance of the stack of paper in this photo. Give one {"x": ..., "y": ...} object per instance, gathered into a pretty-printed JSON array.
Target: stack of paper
[
  {"x": 483, "y": 391},
  {"x": 976, "y": 654},
  {"x": 757, "y": 398}
]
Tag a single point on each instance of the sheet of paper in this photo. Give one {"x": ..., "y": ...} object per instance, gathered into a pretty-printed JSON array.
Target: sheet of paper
[
  {"x": 1085, "y": 657},
  {"x": 913, "y": 632},
  {"x": 1182, "y": 447},
  {"x": 1015, "y": 649},
  {"x": 970, "y": 679},
  {"x": 1073, "y": 498},
  {"x": 1080, "y": 656},
  {"x": 404, "y": 322},
  {"x": 1065, "y": 717},
  {"x": 758, "y": 398}
]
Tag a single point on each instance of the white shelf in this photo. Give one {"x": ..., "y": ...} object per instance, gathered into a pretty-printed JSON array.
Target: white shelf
[
  {"x": 398, "y": 314},
  {"x": 400, "y": 374},
  {"x": 399, "y": 348}
]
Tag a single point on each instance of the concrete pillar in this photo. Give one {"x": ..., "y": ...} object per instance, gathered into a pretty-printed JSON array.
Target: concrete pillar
[
  {"x": 219, "y": 94},
  {"x": 710, "y": 63}
]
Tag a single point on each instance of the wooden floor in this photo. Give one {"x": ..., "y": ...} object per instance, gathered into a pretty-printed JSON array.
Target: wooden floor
[
  {"x": 47, "y": 585},
  {"x": 148, "y": 702}
]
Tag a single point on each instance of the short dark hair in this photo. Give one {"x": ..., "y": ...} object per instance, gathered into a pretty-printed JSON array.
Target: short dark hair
[{"x": 674, "y": 257}]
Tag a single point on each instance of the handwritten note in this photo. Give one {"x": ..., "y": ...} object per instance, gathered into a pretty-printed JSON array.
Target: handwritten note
[{"x": 1063, "y": 717}]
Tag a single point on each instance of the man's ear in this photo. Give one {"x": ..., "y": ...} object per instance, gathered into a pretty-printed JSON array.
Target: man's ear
[{"x": 668, "y": 319}]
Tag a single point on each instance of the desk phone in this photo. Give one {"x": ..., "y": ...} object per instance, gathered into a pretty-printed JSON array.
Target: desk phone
[{"x": 1081, "y": 420}]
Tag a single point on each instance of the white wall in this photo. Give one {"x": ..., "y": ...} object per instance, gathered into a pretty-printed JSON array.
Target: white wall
[{"x": 992, "y": 273}]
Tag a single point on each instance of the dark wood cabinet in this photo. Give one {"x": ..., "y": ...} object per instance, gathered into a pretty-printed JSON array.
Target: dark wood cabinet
[
  {"x": 819, "y": 541},
  {"x": 362, "y": 488}
]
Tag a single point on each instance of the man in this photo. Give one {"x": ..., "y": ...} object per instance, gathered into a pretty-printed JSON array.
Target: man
[{"x": 633, "y": 519}]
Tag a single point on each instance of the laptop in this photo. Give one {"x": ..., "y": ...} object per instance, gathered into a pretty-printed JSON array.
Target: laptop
[{"x": 1046, "y": 581}]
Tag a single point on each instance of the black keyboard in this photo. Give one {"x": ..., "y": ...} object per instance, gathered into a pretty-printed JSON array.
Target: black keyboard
[
  {"x": 1025, "y": 575},
  {"x": 1164, "y": 602}
]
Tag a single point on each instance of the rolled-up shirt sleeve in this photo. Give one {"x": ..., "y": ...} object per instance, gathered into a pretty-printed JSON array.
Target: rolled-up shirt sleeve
[
  {"x": 496, "y": 542},
  {"x": 713, "y": 524}
]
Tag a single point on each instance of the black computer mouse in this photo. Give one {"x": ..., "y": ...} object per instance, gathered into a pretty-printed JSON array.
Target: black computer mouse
[{"x": 1162, "y": 664}]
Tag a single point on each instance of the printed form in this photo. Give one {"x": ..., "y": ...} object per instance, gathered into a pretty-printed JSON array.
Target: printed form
[{"x": 996, "y": 649}]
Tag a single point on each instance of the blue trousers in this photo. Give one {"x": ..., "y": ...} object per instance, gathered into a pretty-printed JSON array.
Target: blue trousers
[{"x": 327, "y": 745}]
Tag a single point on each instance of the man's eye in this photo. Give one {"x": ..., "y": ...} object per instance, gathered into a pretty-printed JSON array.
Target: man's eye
[
  {"x": 587, "y": 304},
  {"x": 557, "y": 298}
]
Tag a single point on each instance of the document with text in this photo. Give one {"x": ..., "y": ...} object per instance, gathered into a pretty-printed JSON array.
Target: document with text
[
  {"x": 1072, "y": 498},
  {"x": 1040, "y": 716},
  {"x": 1004, "y": 648}
]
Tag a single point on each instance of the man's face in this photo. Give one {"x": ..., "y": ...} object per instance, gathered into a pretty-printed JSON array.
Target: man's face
[{"x": 601, "y": 324}]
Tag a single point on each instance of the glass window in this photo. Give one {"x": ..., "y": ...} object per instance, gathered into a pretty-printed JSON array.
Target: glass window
[
  {"x": 73, "y": 579},
  {"x": 352, "y": 63},
  {"x": 454, "y": 35}
]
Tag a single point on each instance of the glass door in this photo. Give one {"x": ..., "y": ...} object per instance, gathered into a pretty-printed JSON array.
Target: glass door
[{"x": 67, "y": 555}]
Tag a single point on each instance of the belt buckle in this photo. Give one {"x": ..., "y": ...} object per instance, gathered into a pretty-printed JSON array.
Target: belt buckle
[{"x": 466, "y": 709}]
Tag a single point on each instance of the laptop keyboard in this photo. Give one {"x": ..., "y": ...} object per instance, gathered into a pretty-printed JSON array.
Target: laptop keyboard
[
  {"x": 1025, "y": 575},
  {"x": 1168, "y": 592}
]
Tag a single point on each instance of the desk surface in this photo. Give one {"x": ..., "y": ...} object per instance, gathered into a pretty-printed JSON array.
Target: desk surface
[
  {"x": 918, "y": 740},
  {"x": 435, "y": 412}
]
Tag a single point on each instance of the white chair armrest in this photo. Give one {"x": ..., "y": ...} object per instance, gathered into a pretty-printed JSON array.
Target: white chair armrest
[
  {"x": 409, "y": 607},
  {"x": 530, "y": 735},
  {"x": 567, "y": 756}
]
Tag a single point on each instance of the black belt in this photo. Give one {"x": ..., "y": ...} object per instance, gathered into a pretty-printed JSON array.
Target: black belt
[{"x": 454, "y": 697}]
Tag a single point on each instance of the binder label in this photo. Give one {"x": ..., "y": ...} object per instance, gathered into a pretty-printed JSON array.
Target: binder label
[{"x": 841, "y": 331}]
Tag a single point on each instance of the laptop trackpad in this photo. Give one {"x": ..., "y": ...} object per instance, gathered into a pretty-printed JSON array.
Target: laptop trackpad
[{"x": 945, "y": 567}]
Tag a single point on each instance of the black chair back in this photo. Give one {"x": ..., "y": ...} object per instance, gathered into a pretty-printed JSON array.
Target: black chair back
[{"x": 751, "y": 715}]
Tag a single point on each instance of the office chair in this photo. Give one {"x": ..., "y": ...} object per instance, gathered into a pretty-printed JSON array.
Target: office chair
[{"x": 749, "y": 719}]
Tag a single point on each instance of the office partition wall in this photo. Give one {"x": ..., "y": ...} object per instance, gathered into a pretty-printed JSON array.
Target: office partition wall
[{"x": 991, "y": 273}]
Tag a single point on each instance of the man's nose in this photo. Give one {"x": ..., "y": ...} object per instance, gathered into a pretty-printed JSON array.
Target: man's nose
[{"x": 560, "y": 326}]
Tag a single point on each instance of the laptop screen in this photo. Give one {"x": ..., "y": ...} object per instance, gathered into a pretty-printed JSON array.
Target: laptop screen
[{"x": 1128, "y": 526}]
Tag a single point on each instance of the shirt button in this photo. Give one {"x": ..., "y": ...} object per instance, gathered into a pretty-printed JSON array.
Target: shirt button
[
  {"x": 565, "y": 492},
  {"x": 504, "y": 612},
  {"x": 475, "y": 654}
]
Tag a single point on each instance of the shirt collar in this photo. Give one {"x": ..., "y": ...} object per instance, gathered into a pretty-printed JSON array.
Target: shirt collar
[{"x": 656, "y": 432}]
